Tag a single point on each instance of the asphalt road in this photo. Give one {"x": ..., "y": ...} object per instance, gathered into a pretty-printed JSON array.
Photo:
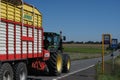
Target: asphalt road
[
  {"x": 88, "y": 74},
  {"x": 76, "y": 66}
]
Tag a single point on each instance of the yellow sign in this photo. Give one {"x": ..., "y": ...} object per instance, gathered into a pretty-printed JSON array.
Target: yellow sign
[{"x": 28, "y": 17}]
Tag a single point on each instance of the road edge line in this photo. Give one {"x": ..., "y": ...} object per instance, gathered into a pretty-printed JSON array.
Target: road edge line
[{"x": 74, "y": 72}]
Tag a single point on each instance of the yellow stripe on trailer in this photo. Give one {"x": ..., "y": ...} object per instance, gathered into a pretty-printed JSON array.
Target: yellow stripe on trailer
[{"x": 12, "y": 11}]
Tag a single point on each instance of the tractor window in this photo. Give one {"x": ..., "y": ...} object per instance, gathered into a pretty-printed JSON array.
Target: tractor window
[
  {"x": 56, "y": 40},
  {"x": 49, "y": 39}
]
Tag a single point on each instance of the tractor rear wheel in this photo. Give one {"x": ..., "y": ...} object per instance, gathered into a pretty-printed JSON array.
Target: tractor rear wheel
[
  {"x": 55, "y": 64},
  {"x": 66, "y": 63}
]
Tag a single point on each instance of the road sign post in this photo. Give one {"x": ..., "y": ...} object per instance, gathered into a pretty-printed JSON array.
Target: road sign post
[
  {"x": 103, "y": 51},
  {"x": 114, "y": 46},
  {"x": 106, "y": 39}
]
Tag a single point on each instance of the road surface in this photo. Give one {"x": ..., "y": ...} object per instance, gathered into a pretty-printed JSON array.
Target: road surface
[{"x": 76, "y": 66}]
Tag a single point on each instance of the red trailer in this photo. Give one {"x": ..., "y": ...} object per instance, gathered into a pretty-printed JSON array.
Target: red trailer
[
  {"x": 22, "y": 45},
  {"x": 21, "y": 40}
]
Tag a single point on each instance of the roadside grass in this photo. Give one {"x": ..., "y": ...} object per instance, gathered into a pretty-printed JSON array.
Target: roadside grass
[
  {"x": 83, "y": 51},
  {"x": 108, "y": 77},
  {"x": 111, "y": 73}
]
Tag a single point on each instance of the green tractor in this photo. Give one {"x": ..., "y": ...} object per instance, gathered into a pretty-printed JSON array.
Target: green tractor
[{"x": 59, "y": 62}]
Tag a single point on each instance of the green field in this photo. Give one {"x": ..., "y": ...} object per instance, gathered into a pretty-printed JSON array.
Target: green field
[
  {"x": 83, "y": 51},
  {"x": 83, "y": 48}
]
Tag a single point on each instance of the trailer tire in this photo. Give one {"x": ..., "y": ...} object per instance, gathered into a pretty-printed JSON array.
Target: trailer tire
[
  {"x": 20, "y": 71},
  {"x": 66, "y": 63},
  {"x": 6, "y": 72},
  {"x": 55, "y": 64}
]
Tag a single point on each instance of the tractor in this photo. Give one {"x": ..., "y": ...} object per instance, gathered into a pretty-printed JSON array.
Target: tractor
[{"x": 59, "y": 61}]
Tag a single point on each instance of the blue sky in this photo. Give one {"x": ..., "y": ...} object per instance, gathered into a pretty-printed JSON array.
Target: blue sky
[{"x": 80, "y": 20}]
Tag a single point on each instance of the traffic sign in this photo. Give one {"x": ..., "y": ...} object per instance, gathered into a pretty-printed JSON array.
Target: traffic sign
[{"x": 114, "y": 43}]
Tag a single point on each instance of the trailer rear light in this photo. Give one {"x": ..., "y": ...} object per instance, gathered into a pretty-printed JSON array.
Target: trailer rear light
[{"x": 46, "y": 55}]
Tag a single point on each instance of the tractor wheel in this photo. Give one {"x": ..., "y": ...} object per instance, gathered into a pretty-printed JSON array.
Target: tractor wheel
[
  {"x": 66, "y": 63},
  {"x": 55, "y": 64},
  {"x": 6, "y": 72},
  {"x": 20, "y": 71}
]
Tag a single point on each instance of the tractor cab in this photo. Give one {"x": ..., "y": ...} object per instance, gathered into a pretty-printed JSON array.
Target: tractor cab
[{"x": 53, "y": 41}]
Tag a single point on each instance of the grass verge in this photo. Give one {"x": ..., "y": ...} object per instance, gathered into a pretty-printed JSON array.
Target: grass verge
[{"x": 112, "y": 71}]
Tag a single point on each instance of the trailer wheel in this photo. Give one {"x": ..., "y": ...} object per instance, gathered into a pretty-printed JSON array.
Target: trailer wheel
[
  {"x": 6, "y": 72},
  {"x": 20, "y": 71},
  {"x": 66, "y": 63},
  {"x": 55, "y": 64}
]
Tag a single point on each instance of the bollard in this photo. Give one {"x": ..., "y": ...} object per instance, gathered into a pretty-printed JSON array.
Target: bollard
[{"x": 99, "y": 66}]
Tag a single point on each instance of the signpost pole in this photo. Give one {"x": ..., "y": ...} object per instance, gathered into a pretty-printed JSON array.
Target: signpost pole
[
  {"x": 106, "y": 39},
  {"x": 103, "y": 51},
  {"x": 114, "y": 46}
]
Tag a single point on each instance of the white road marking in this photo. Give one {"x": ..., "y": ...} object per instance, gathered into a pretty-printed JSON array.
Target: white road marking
[{"x": 73, "y": 72}]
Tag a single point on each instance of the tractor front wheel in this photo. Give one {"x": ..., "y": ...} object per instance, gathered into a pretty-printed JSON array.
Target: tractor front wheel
[{"x": 66, "y": 63}]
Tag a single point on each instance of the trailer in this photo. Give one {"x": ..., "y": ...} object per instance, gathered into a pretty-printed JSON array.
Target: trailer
[{"x": 22, "y": 42}]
